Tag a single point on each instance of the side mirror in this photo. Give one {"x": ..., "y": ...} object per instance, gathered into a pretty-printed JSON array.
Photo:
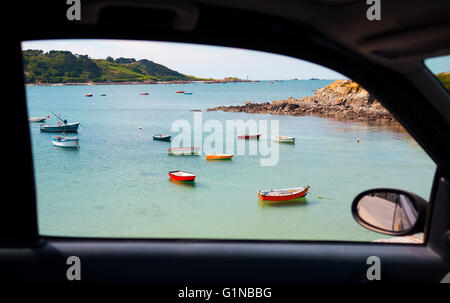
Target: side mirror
[{"x": 390, "y": 211}]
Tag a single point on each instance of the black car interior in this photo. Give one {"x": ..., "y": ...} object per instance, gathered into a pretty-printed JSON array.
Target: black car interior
[{"x": 386, "y": 57}]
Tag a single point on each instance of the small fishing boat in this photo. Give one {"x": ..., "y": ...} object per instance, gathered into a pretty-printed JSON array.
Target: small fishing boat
[
  {"x": 185, "y": 151},
  {"x": 62, "y": 126},
  {"x": 219, "y": 156},
  {"x": 283, "y": 139},
  {"x": 183, "y": 176},
  {"x": 188, "y": 93},
  {"x": 279, "y": 195},
  {"x": 103, "y": 95},
  {"x": 161, "y": 137},
  {"x": 180, "y": 91},
  {"x": 36, "y": 119},
  {"x": 61, "y": 141},
  {"x": 256, "y": 136},
  {"x": 88, "y": 95},
  {"x": 196, "y": 110},
  {"x": 68, "y": 127},
  {"x": 144, "y": 94}
]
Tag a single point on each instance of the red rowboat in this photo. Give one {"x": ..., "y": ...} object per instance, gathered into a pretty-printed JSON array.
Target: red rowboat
[
  {"x": 283, "y": 194},
  {"x": 180, "y": 91},
  {"x": 181, "y": 175},
  {"x": 144, "y": 94},
  {"x": 88, "y": 95},
  {"x": 249, "y": 136}
]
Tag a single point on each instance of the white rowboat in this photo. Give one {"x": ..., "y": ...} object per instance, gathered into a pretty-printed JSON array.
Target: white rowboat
[
  {"x": 283, "y": 139},
  {"x": 66, "y": 141}
]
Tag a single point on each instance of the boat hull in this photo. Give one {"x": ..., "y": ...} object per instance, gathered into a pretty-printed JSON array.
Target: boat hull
[
  {"x": 68, "y": 128},
  {"x": 218, "y": 157},
  {"x": 162, "y": 138},
  {"x": 175, "y": 177},
  {"x": 249, "y": 136},
  {"x": 36, "y": 119},
  {"x": 283, "y": 198},
  {"x": 66, "y": 143},
  {"x": 184, "y": 151},
  {"x": 284, "y": 139}
]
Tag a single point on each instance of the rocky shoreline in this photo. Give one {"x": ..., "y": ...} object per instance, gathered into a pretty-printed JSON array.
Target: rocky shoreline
[{"x": 342, "y": 100}]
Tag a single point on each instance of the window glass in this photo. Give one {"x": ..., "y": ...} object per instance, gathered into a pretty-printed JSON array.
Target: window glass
[{"x": 289, "y": 124}]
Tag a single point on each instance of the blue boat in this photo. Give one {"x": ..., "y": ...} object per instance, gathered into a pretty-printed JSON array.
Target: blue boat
[
  {"x": 161, "y": 137},
  {"x": 62, "y": 126},
  {"x": 66, "y": 128},
  {"x": 188, "y": 93}
]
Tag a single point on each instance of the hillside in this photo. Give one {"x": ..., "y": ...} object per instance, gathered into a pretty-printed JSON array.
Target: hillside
[
  {"x": 342, "y": 100},
  {"x": 65, "y": 67},
  {"x": 445, "y": 79}
]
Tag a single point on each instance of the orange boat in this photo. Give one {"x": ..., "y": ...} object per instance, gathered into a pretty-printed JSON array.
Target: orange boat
[
  {"x": 219, "y": 156},
  {"x": 279, "y": 195}
]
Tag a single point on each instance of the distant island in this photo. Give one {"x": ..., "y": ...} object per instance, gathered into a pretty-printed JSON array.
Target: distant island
[
  {"x": 63, "y": 67},
  {"x": 342, "y": 100}
]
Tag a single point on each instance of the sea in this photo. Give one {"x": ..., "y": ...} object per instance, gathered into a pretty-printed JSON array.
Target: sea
[{"x": 116, "y": 184}]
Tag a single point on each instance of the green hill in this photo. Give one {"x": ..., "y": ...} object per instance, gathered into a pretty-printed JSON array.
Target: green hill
[
  {"x": 445, "y": 79},
  {"x": 65, "y": 67}
]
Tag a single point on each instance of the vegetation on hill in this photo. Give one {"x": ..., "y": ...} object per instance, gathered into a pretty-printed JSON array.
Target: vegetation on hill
[
  {"x": 65, "y": 67},
  {"x": 445, "y": 79}
]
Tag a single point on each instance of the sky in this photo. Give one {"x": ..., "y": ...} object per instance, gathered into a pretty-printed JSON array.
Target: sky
[
  {"x": 194, "y": 59},
  {"x": 438, "y": 64}
]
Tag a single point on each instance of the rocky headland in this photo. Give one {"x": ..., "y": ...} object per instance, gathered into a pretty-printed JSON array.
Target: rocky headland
[{"x": 342, "y": 100}]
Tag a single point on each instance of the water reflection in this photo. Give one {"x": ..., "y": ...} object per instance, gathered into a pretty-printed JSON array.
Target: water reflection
[
  {"x": 296, "y": 202},
  {"x": 183, "y": 183}
]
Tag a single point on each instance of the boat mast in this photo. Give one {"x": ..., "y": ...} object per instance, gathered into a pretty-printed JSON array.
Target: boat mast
[{"x": 57, "y": 116}]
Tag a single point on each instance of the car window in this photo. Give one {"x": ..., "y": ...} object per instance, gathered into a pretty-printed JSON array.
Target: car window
[
  {"x": 134, "y": 139},
  {"x": 440, "y": 67}
]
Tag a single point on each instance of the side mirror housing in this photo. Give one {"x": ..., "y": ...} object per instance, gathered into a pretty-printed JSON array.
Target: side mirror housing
[{"x": 390, "y": 211}]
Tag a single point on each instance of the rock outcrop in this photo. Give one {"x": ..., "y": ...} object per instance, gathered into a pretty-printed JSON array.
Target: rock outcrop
[{"x": 342, "y": 100}]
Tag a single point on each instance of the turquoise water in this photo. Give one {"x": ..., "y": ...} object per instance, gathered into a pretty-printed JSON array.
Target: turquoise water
[{"x": 116, "y": 184}]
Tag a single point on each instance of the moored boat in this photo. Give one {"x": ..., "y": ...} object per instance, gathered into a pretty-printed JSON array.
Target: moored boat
[
  {"x": 144, "y": 94},
  {"x": 36, "y": 119},
  {"x": 186, "y": 151},
  {"x": 62, "y": 126},
  {"x": 88, "y": 95},
  {"x": 67, "y": 127},
  {"x": 183, "y": 176},
  {"x": 62, "y": 141},
  {"x": 187, "y": 93},
  {"x": 180, "y": 91},
  {"x": 219, "y": 156},
  {"x": 283, "y": 139},
  {"x": 161, "y": 137},
  {"x": 280, "y": 195},
  {"x": 256, "y": 136}
]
